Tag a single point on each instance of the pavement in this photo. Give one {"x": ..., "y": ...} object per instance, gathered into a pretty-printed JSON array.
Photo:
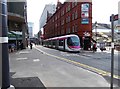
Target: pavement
[{"x": 33, "y": 69}]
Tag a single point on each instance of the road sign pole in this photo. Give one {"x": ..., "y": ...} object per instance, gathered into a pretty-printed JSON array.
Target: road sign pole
[
  {"x": 112, "y": 51},
  {"x": 4, "y": 43}
]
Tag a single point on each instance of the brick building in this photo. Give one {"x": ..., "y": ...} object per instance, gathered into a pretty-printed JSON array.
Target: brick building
[{"x": 71, "y": 18}]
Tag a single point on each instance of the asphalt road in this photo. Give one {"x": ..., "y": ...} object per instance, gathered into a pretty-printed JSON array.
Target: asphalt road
[
  {"x": 39, "y": 68},
  {"x": 99, "y": 60}
]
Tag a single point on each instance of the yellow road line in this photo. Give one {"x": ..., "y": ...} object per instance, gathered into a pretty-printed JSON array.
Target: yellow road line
[{"x": 101, "y": 72}]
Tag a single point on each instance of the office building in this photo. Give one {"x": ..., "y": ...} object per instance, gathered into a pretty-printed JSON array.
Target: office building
[
  {"x": 49, "y": 8},
  {"x": 30, "y": 29}
]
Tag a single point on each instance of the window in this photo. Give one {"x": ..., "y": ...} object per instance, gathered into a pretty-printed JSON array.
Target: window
[
  {"x": 53, "y": 20},
  {"x": 58, "y": 24},
  {"x": 62, "y": 13},
  {"x": 68, "y": 18},
  {"x": 72, "y": 4},
  {"x": 55, "y": 17},
  {"x": 75, "y": 3},
  {"x": 58, "y": 15},
  {"x": 73, "y": 41},
  {"x": 76, "y": 15},
  {"x": 73, "y": 28},
  {"x": 69, "y": 30},
  {"x": 72, "y": 16},
  {"x": 62, "y": 30},
  {"x": 69, "y": 7},
  {"x": 60, "y": 42},
  {"x": 53, "y": 42},
  {"x": 62, "y": 22},
  {"x": 76, "y": 28},
  {"x": 55, "y": 24},
  {"x": 66, "y": 10}
]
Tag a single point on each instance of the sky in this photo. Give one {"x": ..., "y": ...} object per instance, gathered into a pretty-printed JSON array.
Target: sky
[{"x": 101, "y": 10}]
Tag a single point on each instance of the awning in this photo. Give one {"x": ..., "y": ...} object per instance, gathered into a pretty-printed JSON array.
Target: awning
[{"x": 12, "y": 35}]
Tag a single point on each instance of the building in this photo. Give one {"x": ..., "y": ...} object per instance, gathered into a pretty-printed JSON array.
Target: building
[
  {"x": 17, "y": 21},
  {"x": 49, "y": 8},
  {"x": 71, "y": 18},
  {"x": 30, "y": 29}
]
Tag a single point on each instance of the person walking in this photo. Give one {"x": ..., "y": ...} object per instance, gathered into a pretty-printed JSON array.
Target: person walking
[
  {"x": 21, "y": 46},
  {"x": 94, "y": 47},
  {"x": 10, "y": 47},
  {"x": 30, "y": 45}
]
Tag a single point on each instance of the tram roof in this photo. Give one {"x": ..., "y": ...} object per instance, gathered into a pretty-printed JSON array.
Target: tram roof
[{"x": 61, "y": 37}]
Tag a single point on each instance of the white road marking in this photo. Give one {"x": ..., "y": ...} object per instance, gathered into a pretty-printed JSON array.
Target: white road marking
[
  {"x": 68, "y": 54},
  {"x": 36, "y": 60},
  {"x": 18, "y": 59},
  {"x": 23, "y": 52}
]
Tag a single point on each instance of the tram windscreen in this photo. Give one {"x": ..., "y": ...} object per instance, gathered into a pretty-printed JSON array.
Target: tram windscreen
[{"x": 73, "y": 41}]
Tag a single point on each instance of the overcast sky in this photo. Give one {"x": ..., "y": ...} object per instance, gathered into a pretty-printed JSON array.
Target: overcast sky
[{"x": 101, "y": 10}]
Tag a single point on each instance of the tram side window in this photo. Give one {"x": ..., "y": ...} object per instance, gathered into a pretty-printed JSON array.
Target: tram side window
[
  {"x": 53, "y": 42},
  {"x": 60, "y": 42},
  {"x": 69, "y": 41},
  {"x": 50, "y": 42}
]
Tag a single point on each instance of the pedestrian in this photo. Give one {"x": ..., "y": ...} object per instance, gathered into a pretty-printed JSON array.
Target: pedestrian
[
  {"x": 21, "y": 46},
  {"x": 30, "y": 45},
  {"x": 10, "y": 47},
  {"x": 18, "y": 45},
  {"x": 94, "y": 47}
]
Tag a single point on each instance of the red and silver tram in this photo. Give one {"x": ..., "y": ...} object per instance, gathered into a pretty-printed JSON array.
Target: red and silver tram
[{"x": 66, "y": 43}]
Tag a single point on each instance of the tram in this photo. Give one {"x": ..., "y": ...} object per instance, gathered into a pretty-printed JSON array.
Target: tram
[{"x": 66, "y": 43}]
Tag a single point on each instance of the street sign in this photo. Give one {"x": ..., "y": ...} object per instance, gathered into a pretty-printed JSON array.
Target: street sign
[{"x": 114, "y": 18}]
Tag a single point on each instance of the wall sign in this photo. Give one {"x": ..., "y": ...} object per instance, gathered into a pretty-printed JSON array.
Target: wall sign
[
  {"x": 85, "y": 7},
  {"x": 84, "y": 14},
  {"x": 85, "y": 21}
]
